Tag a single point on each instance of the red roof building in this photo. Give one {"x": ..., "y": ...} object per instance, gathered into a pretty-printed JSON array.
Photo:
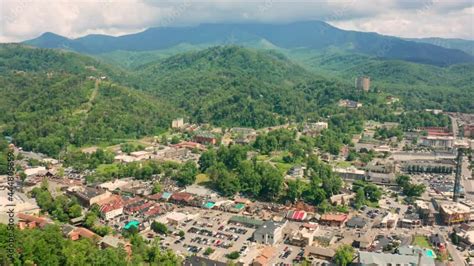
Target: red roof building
[
  {"x": 182, "y": 197},
  {"x": 334, "y": 219}
]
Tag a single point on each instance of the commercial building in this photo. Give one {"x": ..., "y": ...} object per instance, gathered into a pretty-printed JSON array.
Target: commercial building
[
  {"x": 177, "y": 123},
  {"x": 333, "y": 219},
  {"x": 452, "y": 213},
  {"x": 269, "y": 233},
  {"x": 88, "y": 196},
  {"x": 362, "y": 83},
  {"x": 319, "y": 253},
  {"x": 372, "y": 258},
  {"x": 111, "y": 207}
]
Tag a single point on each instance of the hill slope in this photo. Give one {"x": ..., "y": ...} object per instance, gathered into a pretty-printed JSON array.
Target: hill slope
[
  {"x": 313, "y": 35},
  {"x": 237, "y": 86},
  {"x": 48, "y": 101}
]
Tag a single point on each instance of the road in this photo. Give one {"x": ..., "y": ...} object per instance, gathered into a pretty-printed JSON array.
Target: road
[{"x": 457, "y": 258}]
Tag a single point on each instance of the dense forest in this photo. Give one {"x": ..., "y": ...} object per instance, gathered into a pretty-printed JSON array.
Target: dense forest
[{"x": 52, "y": 98}]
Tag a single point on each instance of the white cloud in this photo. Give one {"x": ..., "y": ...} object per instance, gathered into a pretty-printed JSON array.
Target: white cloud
[{"x": 24, "y": 19}]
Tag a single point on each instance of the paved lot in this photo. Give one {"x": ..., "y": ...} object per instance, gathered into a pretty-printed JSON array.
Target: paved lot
[{"x": 211, "y": 229}]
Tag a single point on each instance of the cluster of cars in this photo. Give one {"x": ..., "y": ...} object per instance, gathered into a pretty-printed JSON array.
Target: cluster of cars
[
  {"x": 286, "y": 253},
  {"x": 299, "y": 257},
  {"x": 241, "y": 231}
]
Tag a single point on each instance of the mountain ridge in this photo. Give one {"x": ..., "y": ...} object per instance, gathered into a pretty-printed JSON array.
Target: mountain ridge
[{"x": 316, "y": 35}]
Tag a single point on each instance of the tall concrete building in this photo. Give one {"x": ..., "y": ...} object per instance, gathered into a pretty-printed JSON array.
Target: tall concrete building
[{"x": 363, "y": 83}]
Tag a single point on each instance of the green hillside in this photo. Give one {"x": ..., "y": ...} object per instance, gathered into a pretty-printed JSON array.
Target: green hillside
[
  {"x": 49, "y": 106},
  {"x": 236, "y": 86}
]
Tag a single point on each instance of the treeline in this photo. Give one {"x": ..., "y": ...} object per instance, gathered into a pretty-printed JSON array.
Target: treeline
[
  {"x": 231, "y": 173},
  {"x": 47, "y": 246}
]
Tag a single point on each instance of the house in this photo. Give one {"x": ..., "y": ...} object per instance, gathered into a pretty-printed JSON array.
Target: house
[
  {"x": 205, "y": 138},
  {"x": 75, "y": 233},
  {"x": 363, "y": 241},
  {"x": 333, "y": 219},
  {"x": 31, "y": 221},
  {"x": 319, "y": 253},
  {"x": 389, "y": 221},
  {"x": 269, "y": 233},
  {"x": 181, "y": 197},
  {"x": 116, "y": 242},
  {"x": 341, "y": 199},
  {"x": 410, "y": 220}
]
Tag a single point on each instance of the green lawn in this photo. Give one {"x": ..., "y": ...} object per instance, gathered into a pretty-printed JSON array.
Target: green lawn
[
  {"x": 421, "y": 241},
  {"x": 201, "y": 179},
  {"x": 283, "y": 167}
]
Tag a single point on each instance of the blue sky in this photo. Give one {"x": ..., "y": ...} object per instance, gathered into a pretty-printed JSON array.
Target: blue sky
[{"x": 25, "y": 19}]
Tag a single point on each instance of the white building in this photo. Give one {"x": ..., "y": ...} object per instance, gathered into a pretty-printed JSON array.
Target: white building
[
  {"x": 177, "y": 123},
  {"x": 269, "y": 233}
]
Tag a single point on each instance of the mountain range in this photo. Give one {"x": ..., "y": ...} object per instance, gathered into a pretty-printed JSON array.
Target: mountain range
[{"x": 311, "y": 35}]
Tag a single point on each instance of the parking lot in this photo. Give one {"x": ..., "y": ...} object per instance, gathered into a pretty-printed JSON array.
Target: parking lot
[{"x": 211, "y": 229}]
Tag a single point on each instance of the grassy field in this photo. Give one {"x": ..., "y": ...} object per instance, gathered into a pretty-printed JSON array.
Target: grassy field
[
  {"x": 421, "y": 241},
  {"x": 202, "y": 179}
]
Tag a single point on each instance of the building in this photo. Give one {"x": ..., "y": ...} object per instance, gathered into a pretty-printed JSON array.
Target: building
[
  {"x": 319, "y": 253},
  {"x": 302, "y": 238},
  {"x": 269, "y": 233},
  {"x": 372, "y": 258},
  {"x": 182, "y": 197},
  {"x": 23, "y": 204},
  {"x": 296, "y": 215},
  {"x": 88, "y": 196},
  {"x": 333, "y": 219},
  {"x": 115, "y": 242},
  {"x": 264, "y": 258},
  {"x": 362, "y": 83},
  {"x": 245, "y": 221},
  {"x": 349, "y": 104},
  {"x": 350, "y": 173},
  {"x": 389, "y": 221},
  {"x": 31, "y": 221},
  {"x": 341, "y": 199},
  {"x": 452, "y": 213},
  {"x": 205, "y": 138},
  {"x": 75, "y": 233},
  {"x": 356, "y": 222},
  {"x": 111, "y": 207},
  {"x": 468, "y": 131},
  {"x": 177, "y": 123},
  {"x": 410, "y": 220},
  {"x": 437, "y": 141}
]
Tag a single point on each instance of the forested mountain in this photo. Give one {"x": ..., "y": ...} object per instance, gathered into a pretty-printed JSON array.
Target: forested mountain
[
  {"x": 52, "y": 98},
  {"x": 460, "y": 44},
  {"x": 237, "y": 86},
  {"x": 314, "y": 35}
]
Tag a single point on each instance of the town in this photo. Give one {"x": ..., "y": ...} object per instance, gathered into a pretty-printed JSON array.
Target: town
[{"x": 266, "y": 196}]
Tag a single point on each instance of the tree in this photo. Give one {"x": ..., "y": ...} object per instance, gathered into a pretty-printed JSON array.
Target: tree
[
  {"x": 159, "y": 228},
  {"x": 359, "y": 200},
  {"x": 75, "y": 211},
  {"x": 344, "y": 255},
  {"x": 187, "y": 173},
  {"x": 207, "y": 159},
  {"x": 233, "y": 255},
  {"x": 208, "y": 251},
  {"x": 156, "y": 188}
]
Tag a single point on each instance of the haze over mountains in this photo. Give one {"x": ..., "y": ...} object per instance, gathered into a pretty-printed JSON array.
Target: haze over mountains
[{"x": 310, "y": 35}]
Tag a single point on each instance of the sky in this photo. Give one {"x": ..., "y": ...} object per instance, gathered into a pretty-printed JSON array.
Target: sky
[{"x": 26, "y": 19}]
